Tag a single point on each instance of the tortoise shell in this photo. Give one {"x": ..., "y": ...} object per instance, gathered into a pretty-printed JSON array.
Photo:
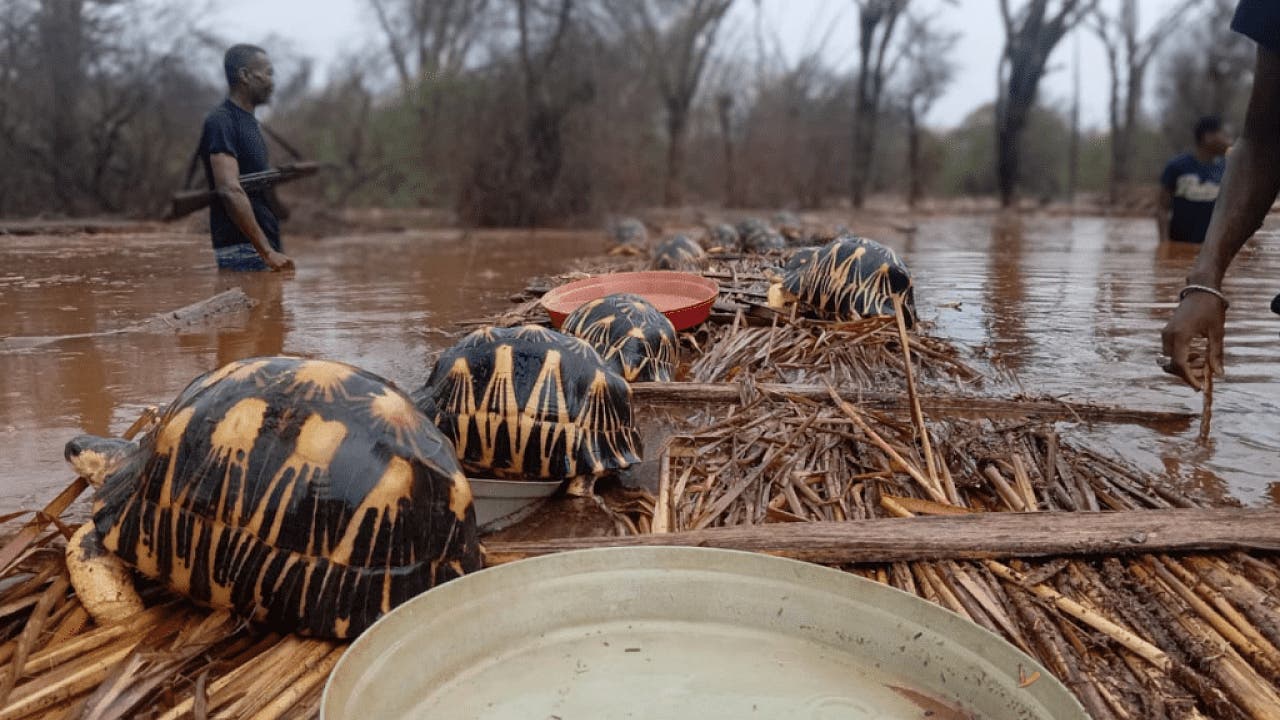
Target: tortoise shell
[
  {"x": 723, "y": 236},
  {"x": 629, "y": 231},
  {"x": 763, "y": 241},
  {"x": 531, "y": 403},
  {"x": 850, "y": 278},
  {"x": 750, "y": 226},
  {"x": 677, "y": 252},
  {"x": 309, "y": 495},
  {"x": 631, "y": 335}
]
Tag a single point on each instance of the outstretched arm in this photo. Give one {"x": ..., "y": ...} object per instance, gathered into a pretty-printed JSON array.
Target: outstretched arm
[
  {"x": 226, "y": 183},
  {"x": 1249, "y": 188}
]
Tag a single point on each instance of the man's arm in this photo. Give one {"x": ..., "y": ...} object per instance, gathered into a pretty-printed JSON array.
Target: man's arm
[
  {"x": 226, "y": 183},
  {"x": 1249, "y": 188},
  {"x": 1164, "y": 207}
]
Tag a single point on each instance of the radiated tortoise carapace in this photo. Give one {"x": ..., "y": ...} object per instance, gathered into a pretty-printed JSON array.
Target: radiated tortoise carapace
[
  {"x": 631, "y": 335},
  {"x": 309, "y": 495},
  {"x": 677, "y": 252},
  {"x": 846, "y": 279},
  {"x": 531, "y": 403}
]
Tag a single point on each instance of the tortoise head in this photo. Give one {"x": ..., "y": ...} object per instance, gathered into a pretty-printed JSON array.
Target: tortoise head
[{"x": 94, "y": 458}]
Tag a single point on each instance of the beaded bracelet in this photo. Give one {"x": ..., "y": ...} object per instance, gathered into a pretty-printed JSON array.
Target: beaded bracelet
[{"x": 1226, "y": 304}]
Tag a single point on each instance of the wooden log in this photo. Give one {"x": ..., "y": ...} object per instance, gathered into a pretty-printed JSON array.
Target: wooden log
[
  {"x": 975, "y": 536},
  {"x": 954, "y": 405},
  {"x": 194, "y": 315}
]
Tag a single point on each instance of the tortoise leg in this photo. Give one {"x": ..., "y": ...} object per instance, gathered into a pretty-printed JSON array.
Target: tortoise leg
[
  {"x": 102, "y": 581},
  {"x": 581, "y": 486}
]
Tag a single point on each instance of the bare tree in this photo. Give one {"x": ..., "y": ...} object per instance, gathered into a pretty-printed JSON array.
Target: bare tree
[
  {"x": 1128, "y": 55},
  {"x": 677, "y": 52},
  {"x": 1206, "y": 71},
  {"x": 724, "y": 117},
  {"x": 1031, "y": 34},
  {"x": 929, "y": 70},
  {"x": 877, "y": 20},
  {"x": 429, "y": 37}
]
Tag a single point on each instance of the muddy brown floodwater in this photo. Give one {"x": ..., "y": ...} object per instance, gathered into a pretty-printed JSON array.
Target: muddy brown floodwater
[{"x": 1072, "y": 306}]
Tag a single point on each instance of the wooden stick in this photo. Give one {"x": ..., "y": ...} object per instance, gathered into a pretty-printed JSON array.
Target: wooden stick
[
  {"x": 917, "y": 414},
  {"x": 1133, "y": 643},
  {"x": 972, "y": 536},
  {"x": 1206, "y": 414},
  {"x": 662, "y": 510},
  {"x": 957, "y": 405},
  {"x": 19, "y": 543}
]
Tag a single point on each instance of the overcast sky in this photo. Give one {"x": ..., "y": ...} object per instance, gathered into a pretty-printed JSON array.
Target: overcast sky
[{"x": 324, "y": 29}]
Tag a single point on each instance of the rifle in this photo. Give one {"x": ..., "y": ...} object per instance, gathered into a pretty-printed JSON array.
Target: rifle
[{"x": 186, "y": 202}]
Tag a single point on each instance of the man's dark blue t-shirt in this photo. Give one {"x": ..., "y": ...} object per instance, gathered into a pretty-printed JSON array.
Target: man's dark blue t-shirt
[
  {"x": 1194, "y": 186},
  {"x": 1259, "y": 20},
  {"x": 232, "y": 130}
]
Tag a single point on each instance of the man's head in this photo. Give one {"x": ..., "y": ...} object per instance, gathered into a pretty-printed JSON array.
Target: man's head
[
  {"x": 249, "y": 72},
  {"x": 1211, "y": 135}
]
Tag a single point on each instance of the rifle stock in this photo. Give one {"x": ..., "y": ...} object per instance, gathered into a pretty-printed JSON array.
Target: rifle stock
[{"x": 185, "y": 202}]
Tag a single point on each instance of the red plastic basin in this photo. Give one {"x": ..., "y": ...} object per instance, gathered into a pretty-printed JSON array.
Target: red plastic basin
[{"x": 684, "y": 298}]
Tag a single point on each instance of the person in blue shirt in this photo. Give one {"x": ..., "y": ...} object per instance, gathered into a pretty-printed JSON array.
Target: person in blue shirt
[
  {"x": 1189, "y": 184},
  {"x": 243, "y": 226},
  {"x": 1249, "y": 188}
]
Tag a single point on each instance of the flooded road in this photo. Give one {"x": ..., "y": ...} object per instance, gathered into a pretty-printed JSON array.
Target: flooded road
[{"x": 1072, "y": 306}]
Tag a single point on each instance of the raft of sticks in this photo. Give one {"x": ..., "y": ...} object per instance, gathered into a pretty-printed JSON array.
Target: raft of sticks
[{"x": 1165, "y": 616}]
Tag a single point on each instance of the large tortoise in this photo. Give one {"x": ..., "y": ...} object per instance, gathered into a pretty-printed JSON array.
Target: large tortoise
[
  {"x": 631, "y": 335},
  {"x": 846, "y": 279},
  {"x": 528, "y": 403},
  {"x": 309, "y": 495}
]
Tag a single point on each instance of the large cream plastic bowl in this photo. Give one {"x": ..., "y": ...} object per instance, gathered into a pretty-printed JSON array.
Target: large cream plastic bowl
[{"x": 668, "y": 632}]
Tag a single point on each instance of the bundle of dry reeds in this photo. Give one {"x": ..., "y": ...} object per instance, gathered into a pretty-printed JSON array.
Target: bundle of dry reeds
[{"x": 1135, "y": 637}]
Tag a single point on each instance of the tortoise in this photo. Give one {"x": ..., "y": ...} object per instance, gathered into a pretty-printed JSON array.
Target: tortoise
[
  {"x": 724, "y": 237},
  {"x": 632, "y": 336},
  {"x": 529, "y": 403},
  {"x": 308, "y": 495},
  {"x": 763, "y": 241},
  {"x": 846, "y": 279},
  {"x": 628, "y": 234},
  {"x": 750, "y": 226},
  {"x": 787, "y": 222},
  {"x": 677, "y": 252}
]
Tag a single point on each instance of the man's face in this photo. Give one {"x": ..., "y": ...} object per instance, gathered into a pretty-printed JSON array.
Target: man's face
[
  {"x": 1218, "y": 141},
  {"x": 259, "y": 79}
]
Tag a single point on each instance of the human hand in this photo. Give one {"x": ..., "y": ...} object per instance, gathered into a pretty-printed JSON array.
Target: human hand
[
  {"x": 1199, "y": 315},
  {"x": 278, "y": 261}
]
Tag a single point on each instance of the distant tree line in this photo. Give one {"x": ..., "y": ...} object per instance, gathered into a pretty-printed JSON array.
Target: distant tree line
[{"x": 530, "y": 112}]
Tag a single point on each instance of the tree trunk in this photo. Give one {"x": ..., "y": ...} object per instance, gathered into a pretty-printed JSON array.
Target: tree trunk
[
  {"x": 677, "y": 122},
  {"x": 62, "y": 40},
  {"x": 724, "y": 104},
  {"x": 1008, "y": 155},
  {"x": 1132, "y": 104},
  {"x": 861, "y": 151},
  {"x": 914, "y": 183}
]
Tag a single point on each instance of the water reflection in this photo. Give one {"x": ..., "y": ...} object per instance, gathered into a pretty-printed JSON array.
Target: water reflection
[{"x": 1006, "y": 289}]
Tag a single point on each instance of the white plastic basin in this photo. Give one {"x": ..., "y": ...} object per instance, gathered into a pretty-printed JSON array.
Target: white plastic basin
[{"x": 667, "y": 632}]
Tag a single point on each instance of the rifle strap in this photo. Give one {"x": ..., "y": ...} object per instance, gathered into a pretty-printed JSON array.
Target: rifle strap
[
  {"x": 283, "y": 143},
  {"x": 191, "y": 169}
]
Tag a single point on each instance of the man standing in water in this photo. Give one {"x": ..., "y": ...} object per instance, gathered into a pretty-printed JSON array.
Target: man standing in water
[
  {"x": 246, "y": 233},
  {"x": 1249, "y": 187},
  {"x": 1189, "y": 185}
]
